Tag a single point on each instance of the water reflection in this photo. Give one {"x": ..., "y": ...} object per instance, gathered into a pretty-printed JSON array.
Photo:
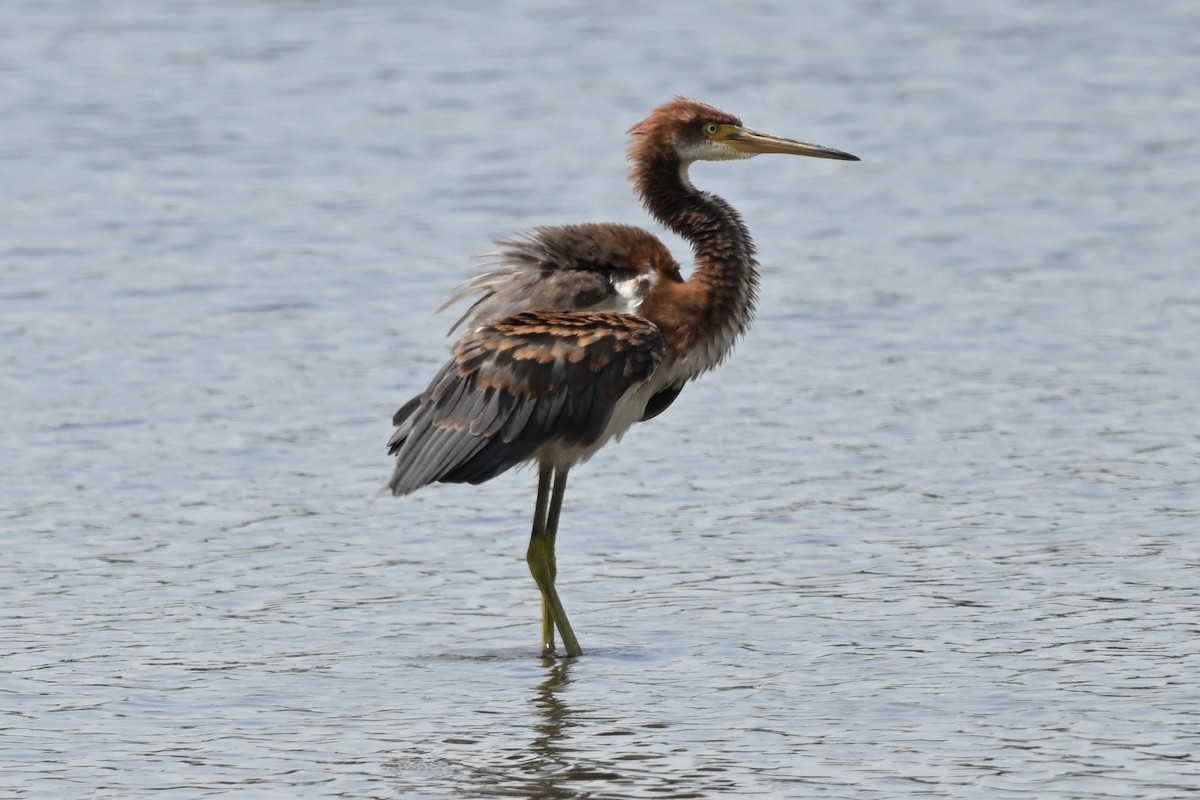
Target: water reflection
[
  {"x": 593, "y": 753},
  {"x": 552, "y": 770},
  {"x": 560, "y": 750}
]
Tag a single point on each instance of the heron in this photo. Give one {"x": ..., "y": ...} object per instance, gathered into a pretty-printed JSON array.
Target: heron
[{"x": 580, "y": 331}]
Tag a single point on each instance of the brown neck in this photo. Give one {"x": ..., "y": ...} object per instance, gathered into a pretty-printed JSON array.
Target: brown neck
[{"x": 715, "y": 305}]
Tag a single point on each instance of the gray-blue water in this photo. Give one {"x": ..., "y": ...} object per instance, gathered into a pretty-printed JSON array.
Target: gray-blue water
[{"x": 930, "y": 533}]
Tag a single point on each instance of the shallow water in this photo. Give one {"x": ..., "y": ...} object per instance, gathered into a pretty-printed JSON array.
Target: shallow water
[{"x": 930, "y": 533}]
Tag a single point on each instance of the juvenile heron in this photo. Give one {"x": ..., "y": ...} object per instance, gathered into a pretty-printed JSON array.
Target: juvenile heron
[{"x": 582, "y": 330}]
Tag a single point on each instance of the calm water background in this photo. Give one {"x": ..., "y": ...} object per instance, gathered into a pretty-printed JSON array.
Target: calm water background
[{"x": 931, "y": 533}]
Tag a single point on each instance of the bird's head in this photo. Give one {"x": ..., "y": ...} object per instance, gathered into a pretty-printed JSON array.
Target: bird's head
[{"x": 695, "y": 131}]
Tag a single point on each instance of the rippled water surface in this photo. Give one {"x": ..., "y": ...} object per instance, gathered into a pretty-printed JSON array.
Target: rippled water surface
[{"x": 931, "y": 533}]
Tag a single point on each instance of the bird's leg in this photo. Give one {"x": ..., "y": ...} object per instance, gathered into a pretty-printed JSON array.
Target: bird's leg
[
  {"x": 533, "y": 555},
  {"x": 542, "y": 562},
  {"x": 560, "y": 613}
]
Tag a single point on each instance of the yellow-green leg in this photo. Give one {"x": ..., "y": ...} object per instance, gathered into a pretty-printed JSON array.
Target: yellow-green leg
[{"x": 552, "y": 485}]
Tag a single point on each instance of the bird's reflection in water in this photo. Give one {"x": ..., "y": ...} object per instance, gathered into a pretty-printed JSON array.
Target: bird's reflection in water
[
  {"x": 555, "y": 714},
  {"x": 552, "y": 770},
  {"x": 575, "y": 751},
  {"x": 566, "y": 759},
  {"x": 545, "y": 768}
]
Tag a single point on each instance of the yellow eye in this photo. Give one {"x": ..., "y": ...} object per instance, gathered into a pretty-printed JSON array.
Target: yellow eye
[{"x": 710, "y": 128}]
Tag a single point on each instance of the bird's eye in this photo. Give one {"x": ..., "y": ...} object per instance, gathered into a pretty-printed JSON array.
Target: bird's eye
[{"x": 710, "y": 128}]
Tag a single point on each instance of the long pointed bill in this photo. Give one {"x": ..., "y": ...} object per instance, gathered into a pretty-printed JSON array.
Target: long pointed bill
[{"x": 751, "y": 142}]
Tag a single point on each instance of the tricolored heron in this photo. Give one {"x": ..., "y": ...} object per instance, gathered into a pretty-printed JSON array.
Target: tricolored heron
[{"x": 583, "y": 330}]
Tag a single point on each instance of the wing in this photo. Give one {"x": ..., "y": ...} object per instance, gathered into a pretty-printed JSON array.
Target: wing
[
  {"x": 660, "y": 402},
  {"x": 515, "y": 385},
  {"x": 598, "y": 267}
]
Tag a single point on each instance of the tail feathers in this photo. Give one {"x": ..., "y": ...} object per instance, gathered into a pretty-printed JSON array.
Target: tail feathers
[
  {"x": 403, "y": 420},
  {"x": 427, "y": 452}
]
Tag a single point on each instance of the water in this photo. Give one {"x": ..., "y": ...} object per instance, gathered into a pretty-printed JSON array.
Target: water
[{"x": 931, "y": 533}]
